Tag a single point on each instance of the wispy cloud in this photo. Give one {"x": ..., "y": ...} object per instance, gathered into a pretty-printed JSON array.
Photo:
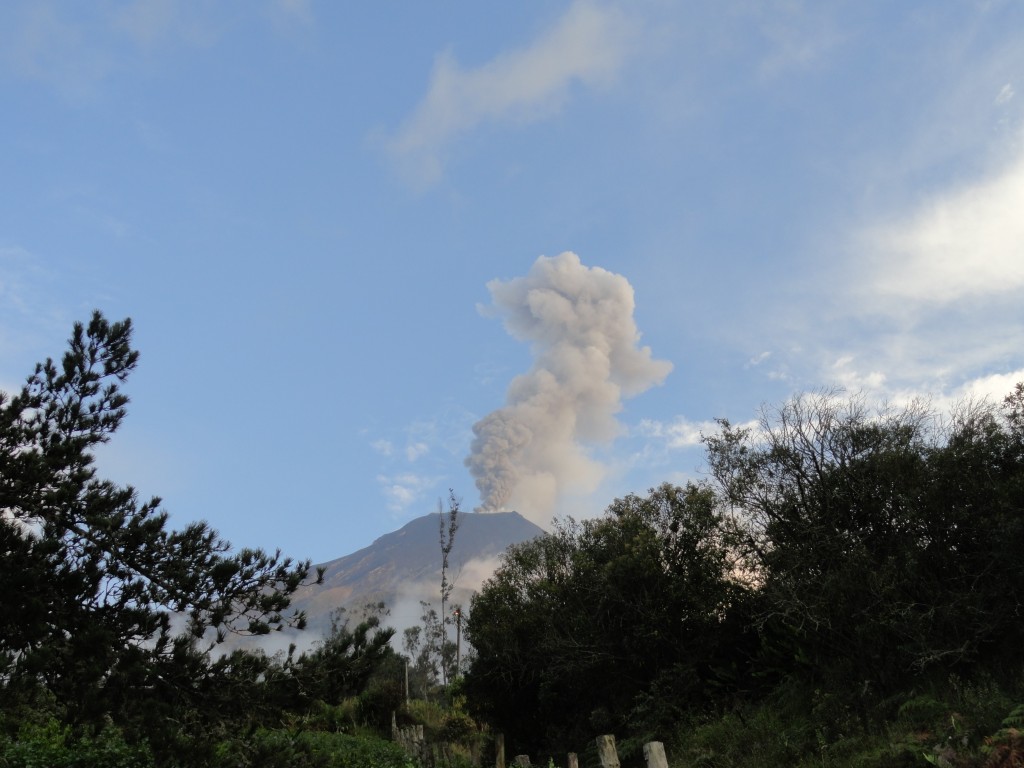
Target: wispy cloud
[
  {"x": 291, "y": 16},
  {"x": 416, "y": 450},
  {"x": 40, "y": 43},
  {"x": 75, "y": 47},
  {"x": 14, "y": 293},
  {"x": 798, "y": 35},
  {"x": 588, "y": 46},
  {"x": 146, "y": 21},
  {"x": 300, "y": 10},
  {"x": 846, "y": 374},
  {"x": 417, "y": 460},
  {"x": 29, "y": 315}
]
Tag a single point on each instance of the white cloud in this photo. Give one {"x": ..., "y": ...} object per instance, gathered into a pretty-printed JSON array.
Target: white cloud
[
  {"x": 993, "y": 387},
  {"x": 383, "y": 447},
  {"x": 681, "y": 433},
  {"x": 414, "y": 451},
  {"x": 402, "y": 491},
  {"x": 588, "y": 45},
  {"x": 1005, "y": 94},
  {"x": 844, "y": 374},
  {"x": 990, "y": 388},
  {"x": 965, "y": 243},
  {"x": 932, "y": 300}
]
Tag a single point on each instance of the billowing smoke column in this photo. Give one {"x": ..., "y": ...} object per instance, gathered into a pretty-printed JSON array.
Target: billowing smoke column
[{"x": 579, "y": 323}]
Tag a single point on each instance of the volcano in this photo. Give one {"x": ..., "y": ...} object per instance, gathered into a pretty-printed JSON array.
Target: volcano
[{"x": 403, "y": 568}]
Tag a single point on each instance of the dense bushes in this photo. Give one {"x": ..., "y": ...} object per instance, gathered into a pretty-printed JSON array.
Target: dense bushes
[
  {"x": 309, "y": 749},
  {"x": 611, "y": 624},
  {"x": 947, "y": 722},
  {"x": 48, "y": 744}
]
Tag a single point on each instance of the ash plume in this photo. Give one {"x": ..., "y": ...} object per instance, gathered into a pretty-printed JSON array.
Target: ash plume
[{"x": 579, "y": 323}]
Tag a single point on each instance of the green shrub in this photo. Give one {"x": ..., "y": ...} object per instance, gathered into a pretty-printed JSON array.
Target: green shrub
[
  {"x": 760, "y": 739},
  {"x": 377, "y": 703},
  {"x": 922, "y": 712},
  {"x": 458, "y": 727},
  {"x": 310, "y": 749},
  {"x": 51, "y": 745},
  {"x": 429, "y": 714}
]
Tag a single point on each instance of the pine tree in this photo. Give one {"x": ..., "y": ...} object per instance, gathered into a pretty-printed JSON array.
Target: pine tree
[{"x": 104, "y": 608}]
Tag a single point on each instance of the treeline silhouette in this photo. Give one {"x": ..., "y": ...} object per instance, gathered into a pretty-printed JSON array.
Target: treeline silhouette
[{"x": 848, "y": 582}]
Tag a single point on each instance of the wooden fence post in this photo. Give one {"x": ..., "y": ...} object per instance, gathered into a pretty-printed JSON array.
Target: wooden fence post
[
  {"x": 573, "y": 761},
  {"x": 606, "y": 751},
  {"x": 654, "y": 754},
  {"x": 499, "y": 750}
]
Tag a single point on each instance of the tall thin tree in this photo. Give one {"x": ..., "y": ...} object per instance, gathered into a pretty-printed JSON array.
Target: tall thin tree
[{"x": 446, "y": 531}]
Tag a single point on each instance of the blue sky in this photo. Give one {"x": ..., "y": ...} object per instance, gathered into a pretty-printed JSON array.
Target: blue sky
[{"x": 321, "y": 217}]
